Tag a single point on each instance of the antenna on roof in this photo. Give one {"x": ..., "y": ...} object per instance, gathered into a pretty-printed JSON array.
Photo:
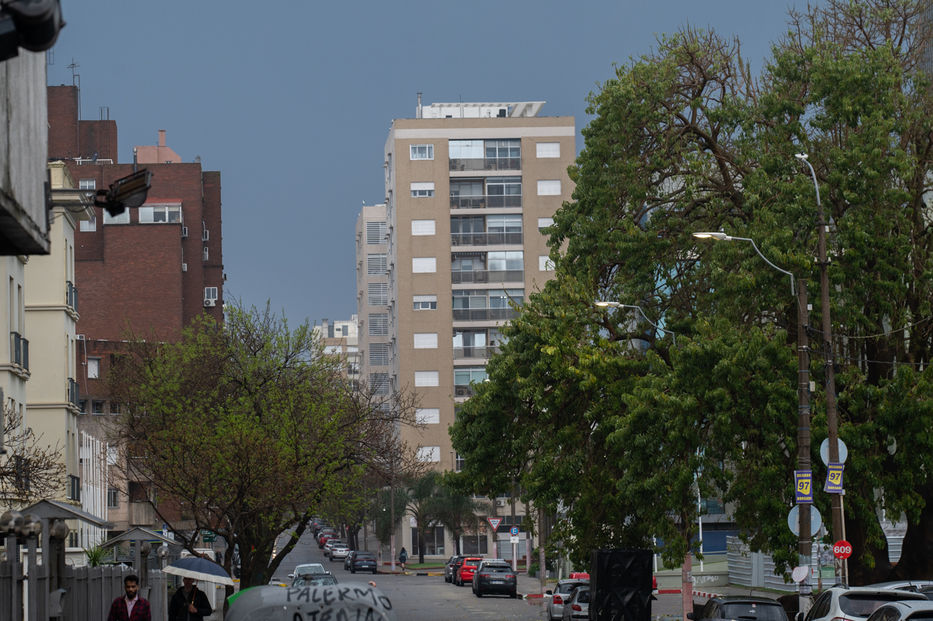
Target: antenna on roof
[{"x": 418, "y": 109}]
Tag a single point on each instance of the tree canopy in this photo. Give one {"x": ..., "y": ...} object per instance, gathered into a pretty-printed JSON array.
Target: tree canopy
[
  {"x": 618, "y": 418},
  {"x": 244, "y": 428}
]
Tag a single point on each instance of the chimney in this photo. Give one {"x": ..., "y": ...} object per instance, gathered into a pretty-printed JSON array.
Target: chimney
[
  {"x": 418, "y": 111},
  {"x": 161, "y": 137}
]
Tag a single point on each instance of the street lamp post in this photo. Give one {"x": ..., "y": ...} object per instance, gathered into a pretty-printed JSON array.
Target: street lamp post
[
  {"x": 799, "y": 289},
  {"x": 832, "y": 415}
]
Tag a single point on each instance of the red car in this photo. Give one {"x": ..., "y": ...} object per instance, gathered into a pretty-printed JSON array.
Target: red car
[{"x": 467, "y": 569}]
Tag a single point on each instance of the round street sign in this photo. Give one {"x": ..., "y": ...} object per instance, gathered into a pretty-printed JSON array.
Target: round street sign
[
  {"x": 824, "y": 451},
  {"x": 842, "y": 549},
  {"x": 800, "y": 573},
  {"x": 793, "y": 521},
  {"x": 513, "y": 531}
]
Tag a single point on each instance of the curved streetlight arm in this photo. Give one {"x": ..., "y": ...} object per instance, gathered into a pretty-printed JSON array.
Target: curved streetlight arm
[
  {"x": 803, "y": 157},
  {"x": 640, "y": 310},
  {"x": 720, "y": 236}
]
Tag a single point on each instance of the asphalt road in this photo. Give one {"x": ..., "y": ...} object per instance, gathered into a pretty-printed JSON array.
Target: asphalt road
[{"x": 421, "y": 597}]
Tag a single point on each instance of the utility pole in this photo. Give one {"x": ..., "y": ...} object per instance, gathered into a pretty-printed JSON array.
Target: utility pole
[{"x": 804, "y": 539}]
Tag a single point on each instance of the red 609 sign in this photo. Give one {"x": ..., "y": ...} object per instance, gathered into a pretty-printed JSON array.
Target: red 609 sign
[{"x": 842, "y": 549}]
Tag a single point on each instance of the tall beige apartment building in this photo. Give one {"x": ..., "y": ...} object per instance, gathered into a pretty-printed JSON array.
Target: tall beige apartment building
[{"x": 469, "y": 187}]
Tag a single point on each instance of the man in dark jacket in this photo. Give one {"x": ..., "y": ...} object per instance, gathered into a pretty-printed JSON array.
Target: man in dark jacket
[{"x": 189, "y": 603}]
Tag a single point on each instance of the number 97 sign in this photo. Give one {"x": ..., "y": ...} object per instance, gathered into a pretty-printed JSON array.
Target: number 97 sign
[{"x": 842, "y": 549}]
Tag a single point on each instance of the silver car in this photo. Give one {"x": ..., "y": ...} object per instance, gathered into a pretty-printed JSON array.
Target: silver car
[
  {"x": 578, "y": 606},
  {"x": 560, "y": 594},
  {"x": 853, "y": 603},
  {"x": 903, "y": 611}
]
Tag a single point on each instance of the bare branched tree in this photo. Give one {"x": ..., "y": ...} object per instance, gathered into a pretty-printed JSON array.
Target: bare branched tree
[{"x": 31, "y": 468}]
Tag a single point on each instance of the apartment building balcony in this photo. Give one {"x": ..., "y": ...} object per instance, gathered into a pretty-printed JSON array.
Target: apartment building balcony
[
  {"x": 486, "y": 163},
  {"x": 484, "y": 314},
  {"x": 485, "y": 239},
  {"x": 480, "y": 276},
  {"x": 19, "y": 350},
  {"x": 71, "y": 296},
  {"x": 478, "y": 352},
  {"x": 71, "y": 387},
  {"x": 484, "y": 201},
  {"x": 463, "y": 391}
]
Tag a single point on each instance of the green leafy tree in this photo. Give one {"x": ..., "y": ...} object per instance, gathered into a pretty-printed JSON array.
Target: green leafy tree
[
  {"x": 422, "y": 503},
  {"x": 244, "y": 428},
  {"x": 682, "y": 140},
  {"x": 458, "y": 512}
]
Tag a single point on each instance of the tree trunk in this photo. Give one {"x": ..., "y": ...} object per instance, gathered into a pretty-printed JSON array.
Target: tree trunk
[
  {"x": 859, "y": 571},
  {"x": 917, "y": 550}
]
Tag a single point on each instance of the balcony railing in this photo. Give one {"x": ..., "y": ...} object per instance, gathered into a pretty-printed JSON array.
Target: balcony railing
[
  {"x": 485, "y": 239},
  {"x": 475, "y": 352},
  {"x": 71, "y": 295},
  {"x": 468, "y": 276},
  {"x": 19, "y": 349},
  {"x": 484, "y": 314},
  {"x": 463, "y": 391},
  {"x": 74, "y": 488},
  {"x": 486, "y": 163},
  {"x": 72, "y": 388},
  {"x": 482, "y": 201}
]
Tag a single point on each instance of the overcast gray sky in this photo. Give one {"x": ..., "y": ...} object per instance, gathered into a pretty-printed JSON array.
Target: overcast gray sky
[{"x": 292, "y": 100}]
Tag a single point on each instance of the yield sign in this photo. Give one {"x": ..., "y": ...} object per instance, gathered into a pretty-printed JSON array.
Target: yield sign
[{"x": 494, "y": 522}]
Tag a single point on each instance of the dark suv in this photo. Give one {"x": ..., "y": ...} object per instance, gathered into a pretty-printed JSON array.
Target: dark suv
[
  {"x": 450, "y": 567},
  {"x": 494, "y": 576},
  {"x": 739, "y": 607}
]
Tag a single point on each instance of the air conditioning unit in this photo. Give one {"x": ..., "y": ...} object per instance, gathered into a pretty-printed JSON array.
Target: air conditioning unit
[
  {"x": 184, "y": 267},
  {"x": 500, "y": 502},
  {"x": 205, "y": 235},
  {"x": 209, "y": 302},
  {"x": 184, "y": 232}
]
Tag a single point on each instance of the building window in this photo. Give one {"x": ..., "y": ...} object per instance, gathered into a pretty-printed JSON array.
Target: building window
[
  {"x": 205, "y": 253},
  {"x": 123, "y": 218},
  {"x": 97, "y": 407},
  {"x": 376, "y": 264},
  {"x": 74, "y": 487},
  {"x": 423, "y": 265},
  {"x": 427, "y": 378},
  {"x": 429, "y": 454},
  {"x": 422, "y": 189},
  {"x": 159, "y": 214},
  {"x": 114, "y": 407},
  {"x": 422, "y": 227},
  {"x": 505, "y": 261},
  {"x": 545, "y": 264},
  {"x": 378, "y": 324},
  {"x": 433, "y": 541},
  {"x": 379, "y": 382},
  {"x": 375, "y": 232},
  {"x": 422, "y": 151},
  {"x": 459, "y": 462},
  {"x": 425, "y": 340},
  {"x": 88, "y": 225},
  {"x": 428, "y": 416},
  {"x": 210, "y": 293},
  {"x": 549, "y": 187},
  {"x": 379, "y": 354},
  {"x": 544, "y": 223},
  {"x": 474, "y": 544},
  {"x": 424, "y": 302},
  {"x": 82, "y": 405},
  {"x": 87, "y": 184},
  {"x": 93, "y": 368},
  {"x": 547, "y": 149},
  {"x": 113, "y": 498},
  {"x": 377, "y": 293}
]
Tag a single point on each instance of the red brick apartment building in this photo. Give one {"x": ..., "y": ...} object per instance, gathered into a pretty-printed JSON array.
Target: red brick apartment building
[{"x": 147, "y": 272}]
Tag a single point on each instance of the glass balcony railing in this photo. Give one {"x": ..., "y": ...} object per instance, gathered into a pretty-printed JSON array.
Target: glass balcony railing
[
  {"x": 19, "y": 350},
  {"x": 460, "y": 277},
  {"x": 485, "y": 239},
  {"x": 484, "y": 314},
  {"x": 486, "y": 163},
  {"x": 483, "y": 201},
  {"x": 463, "y": 391},
  {"x": 71, "y": 387},
  {"x": 71, "y": 295},
  {"x": 483, "y": 352}
]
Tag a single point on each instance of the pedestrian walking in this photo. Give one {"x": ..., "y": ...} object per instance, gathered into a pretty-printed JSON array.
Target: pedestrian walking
[
  {"x": 130, "y": 606},
  {"x": 403, "y": 557},
  {"x": 189, "y": 603}
]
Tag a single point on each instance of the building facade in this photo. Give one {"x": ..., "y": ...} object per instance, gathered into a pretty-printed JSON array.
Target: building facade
[
  {"x": 340, "y": 339},
  {"x": 469, "y": 189},
  {"x": 145, "y": 273}
]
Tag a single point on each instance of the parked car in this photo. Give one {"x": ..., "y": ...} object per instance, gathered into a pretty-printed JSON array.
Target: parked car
[
  {"x": 466, "y": 569},
  {"x": 363, "y": 561},
  {"x": 324, "y": 535},
  {"x": 339, "y": 551},
  {"x": 578, "y": 606},
  {"x": 450, "y": 565},
  {"x": 903, "y": 585},
  {"x": 560, "y": 594},
  {"x": 329, "y": 545},
  {"x": 740, "y": 607},
  {"x": 904, "y": 611},
  {"x": 308, "y": 580},
  {"x": 307, "y": 568},
  {"x": 853, "y": 603},
  {"x": 494, "y": 576}
]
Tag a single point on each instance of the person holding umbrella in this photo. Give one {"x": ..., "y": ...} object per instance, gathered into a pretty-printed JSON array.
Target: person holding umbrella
[{"x": 189, "y": 603}]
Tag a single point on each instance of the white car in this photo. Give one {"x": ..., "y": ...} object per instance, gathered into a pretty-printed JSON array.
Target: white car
[
  {"x": 307, "y": 568},
  {"x": 853, "y": 603},
  {"x": 903, "y": 611},
  {"x": 339, "y": 551},
  {"x": 329, "y": 545}
]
